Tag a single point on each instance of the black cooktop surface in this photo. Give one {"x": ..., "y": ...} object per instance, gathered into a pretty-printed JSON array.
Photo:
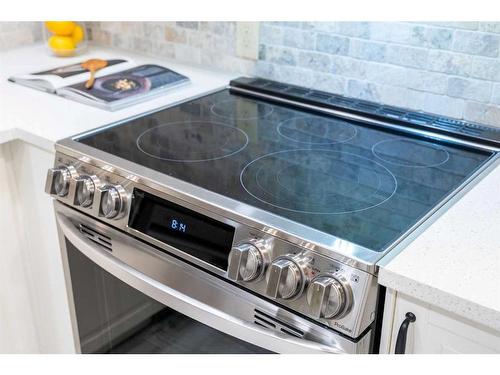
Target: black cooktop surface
[{"x": 364, "y": 184}]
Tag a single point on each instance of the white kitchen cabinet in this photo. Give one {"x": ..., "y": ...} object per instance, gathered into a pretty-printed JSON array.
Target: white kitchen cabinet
[
  {"x": 34, "y": 314},
  {"x": 17, "y": 327},
  {"x": 434, "y": 330}
]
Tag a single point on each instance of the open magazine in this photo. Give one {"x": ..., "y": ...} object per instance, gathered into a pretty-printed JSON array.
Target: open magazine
[{"x": 118, "y": 85}]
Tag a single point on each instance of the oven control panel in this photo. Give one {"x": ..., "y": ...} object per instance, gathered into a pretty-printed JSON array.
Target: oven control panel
[
  {"x": 315, "y": 285},
  {"x": 107, "y": 200},
  {"x": 295, "y": 276}
]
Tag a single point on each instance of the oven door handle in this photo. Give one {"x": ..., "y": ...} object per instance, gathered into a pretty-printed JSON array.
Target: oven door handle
[{"x": 187, "y": 305}]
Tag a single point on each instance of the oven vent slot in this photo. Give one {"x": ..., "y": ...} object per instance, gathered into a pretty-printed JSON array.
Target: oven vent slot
[
  {"x": 96, "y": 237},
  {"x": 267, "y": 321}
]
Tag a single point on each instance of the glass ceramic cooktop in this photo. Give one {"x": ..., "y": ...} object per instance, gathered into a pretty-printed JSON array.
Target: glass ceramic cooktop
[{"x": 359, "y": 183}]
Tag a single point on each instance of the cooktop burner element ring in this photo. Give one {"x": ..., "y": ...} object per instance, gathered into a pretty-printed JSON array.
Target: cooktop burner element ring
[
  {"x": 319, "y": 130},
  {"x": 377, "y": 187},
  {"x": 204, "y": 145},
  {"x": 420, "y": 155},
  {"x": 247, "y": 109}
]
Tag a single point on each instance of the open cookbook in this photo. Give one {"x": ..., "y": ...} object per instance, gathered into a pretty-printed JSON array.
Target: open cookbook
[{"x": 121, "y": 83}]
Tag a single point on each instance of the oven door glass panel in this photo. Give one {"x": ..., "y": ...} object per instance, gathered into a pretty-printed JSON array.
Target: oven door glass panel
[{"x": 113, "y": 317}]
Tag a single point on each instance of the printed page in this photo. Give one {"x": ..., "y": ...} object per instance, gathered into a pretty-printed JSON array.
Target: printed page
[
  {"x": 131, "y": 83},
  {"x": 58, "y": 77}
]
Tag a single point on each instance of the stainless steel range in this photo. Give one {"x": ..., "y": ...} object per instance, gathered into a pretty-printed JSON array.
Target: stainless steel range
[{"x": 249, "y": 220}]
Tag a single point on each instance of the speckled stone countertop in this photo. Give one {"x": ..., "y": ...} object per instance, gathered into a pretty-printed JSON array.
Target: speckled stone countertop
[{"x": 455, "y": 263}]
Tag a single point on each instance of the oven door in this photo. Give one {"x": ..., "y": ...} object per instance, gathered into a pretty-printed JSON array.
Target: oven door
[{"x": 128, "y": 297}]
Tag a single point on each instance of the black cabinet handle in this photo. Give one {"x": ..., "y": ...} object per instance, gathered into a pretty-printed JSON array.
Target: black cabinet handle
[{"x": 403, "y": 332}]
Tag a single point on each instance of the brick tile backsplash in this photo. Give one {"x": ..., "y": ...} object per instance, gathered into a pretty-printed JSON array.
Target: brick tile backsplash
[{"x": 449, "y": 68}]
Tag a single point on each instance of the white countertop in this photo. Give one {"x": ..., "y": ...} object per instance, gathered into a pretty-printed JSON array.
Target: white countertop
[
  {"x": 41, "y": 118},
  {"x": 455, "y": 263}
]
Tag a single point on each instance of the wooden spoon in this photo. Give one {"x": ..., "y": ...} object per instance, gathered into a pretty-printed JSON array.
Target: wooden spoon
[{"x": 93, "y": 65}]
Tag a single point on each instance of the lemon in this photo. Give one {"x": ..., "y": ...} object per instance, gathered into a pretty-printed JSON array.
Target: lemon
[
  {"x": 78, "y": 34},
  {"x": 62, "y": 45},
  {"x": 61, "y": 27}
]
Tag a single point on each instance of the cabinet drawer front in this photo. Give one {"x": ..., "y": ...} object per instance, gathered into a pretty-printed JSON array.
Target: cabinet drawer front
[{"x": 436, "y": 331}]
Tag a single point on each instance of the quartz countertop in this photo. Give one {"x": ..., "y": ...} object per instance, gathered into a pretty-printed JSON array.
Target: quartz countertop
[
  {"x": 41, "y": 118},
  {"x": 454, "y": 264}
]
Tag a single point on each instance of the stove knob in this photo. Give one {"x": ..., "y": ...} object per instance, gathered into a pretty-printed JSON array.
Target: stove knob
[
  {"x": 84, "y": 191},
  {"x": 58, "y": 180},
  {"x": 248, "y": 260},
  {"x": 329, "y": 297},
  {"x": 113, "y": 199},
  {"x": 285, "y": 278}
]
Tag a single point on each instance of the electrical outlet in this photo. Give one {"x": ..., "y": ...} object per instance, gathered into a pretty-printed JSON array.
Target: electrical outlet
[{"x": 247, "y": 40}]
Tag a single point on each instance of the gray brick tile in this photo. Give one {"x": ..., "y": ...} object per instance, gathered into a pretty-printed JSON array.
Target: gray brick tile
[
  {"x": 281, "y": 55},
  {"x": 329, "y": 83},
  {"x": 484, "y": 68},
  {"x": 270, "y": 34},
  {"x": 390, "y": 32},
  {"x": 407, "y": 56},
  {"x": 490, "y": 27},
  {"x": 363, "y": 90},
  {"x": 298, "y": 38},
  {"x": 333, "y": 44},
  {"x": 315, "y": 61},
  {"x": 348, "y": 67},
  {"x": 355, "y": 29},
  {"x": 449, "y": 62},
  {"x": 368, "y": 50},
  {"x": 495, "y": 97},
  {"x": 431, "y": 37},
  {"x": 469, "y": 89},
  {"x": 476, "y": 43},
  {"x": 427, "y": 81},
  {"x": 386, "y": 74}
]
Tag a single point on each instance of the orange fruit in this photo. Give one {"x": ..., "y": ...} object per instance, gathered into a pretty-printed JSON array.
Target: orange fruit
[
  {"x": 77, "y": 34},
  {"x": 63, "y": 28},
  {"x": 62, "y": 45}
]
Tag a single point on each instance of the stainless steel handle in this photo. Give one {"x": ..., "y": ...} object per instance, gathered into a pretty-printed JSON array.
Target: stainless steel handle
[{"x": 187, "y": 305}]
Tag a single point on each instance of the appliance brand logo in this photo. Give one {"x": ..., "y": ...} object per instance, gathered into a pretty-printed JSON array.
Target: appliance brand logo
[{"x": 342, "y": 327}]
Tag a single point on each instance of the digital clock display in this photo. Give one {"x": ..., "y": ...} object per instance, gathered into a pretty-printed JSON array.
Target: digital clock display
[
  {"x": 176, "y": 224},
  {"x": 187, "y": 230}
]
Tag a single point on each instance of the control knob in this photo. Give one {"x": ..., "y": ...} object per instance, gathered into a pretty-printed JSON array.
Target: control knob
[
  {"x": 248, "y": 260},
  {"x": 84, "y": 190},
  {"x": 58, "y": 180},
  {"x": 285, "y": 278},
  {"x": 329, "y": 296},
  {"x": 113, "y": 200}
]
